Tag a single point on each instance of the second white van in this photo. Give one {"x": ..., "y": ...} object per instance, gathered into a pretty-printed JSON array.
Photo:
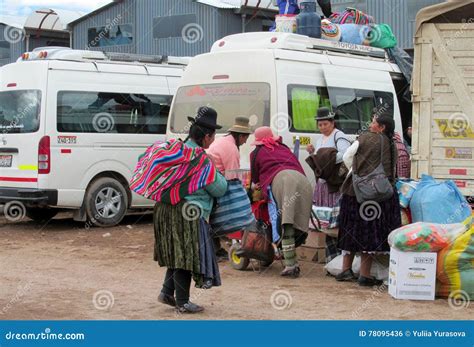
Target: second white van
[{"x": 72, "y": 126}]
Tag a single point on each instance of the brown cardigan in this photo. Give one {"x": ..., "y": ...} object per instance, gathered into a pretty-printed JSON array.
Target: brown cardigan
[
  {"x": 367, "y": 159},
  {"x": 324, "y": 166}
]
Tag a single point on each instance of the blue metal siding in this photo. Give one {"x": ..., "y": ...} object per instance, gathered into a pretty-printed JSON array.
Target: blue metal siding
[
  {"x": 17, "y": 47},
  {"x": 206, "y": 28},
  {"x": 120, "y": 13},
  {"x": 399, "y": 14}
]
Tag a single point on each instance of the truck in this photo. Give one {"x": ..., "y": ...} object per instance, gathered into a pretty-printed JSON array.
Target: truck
[{"x": 443, "y": 94}]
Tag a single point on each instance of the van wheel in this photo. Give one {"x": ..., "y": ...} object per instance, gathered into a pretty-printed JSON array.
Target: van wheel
[
  {"x": 39, "y": 214},
  {"x": 106, "y": 202}
]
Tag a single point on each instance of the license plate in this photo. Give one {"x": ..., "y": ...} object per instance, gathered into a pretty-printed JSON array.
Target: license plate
[{"x": 5, "y": 160}]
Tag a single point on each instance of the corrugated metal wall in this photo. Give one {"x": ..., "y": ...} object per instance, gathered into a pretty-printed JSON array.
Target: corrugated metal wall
[
  {"x": 16, "y": 43},
  {"x": 198, "y": 37},
  {"x": 120, "y": 13}
]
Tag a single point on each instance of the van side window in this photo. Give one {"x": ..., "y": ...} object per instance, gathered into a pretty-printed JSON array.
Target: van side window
[
  {"x": 353, "y": 107},
  {"x": 106, "y": 112},
  {"x": 303, "y": 104}
]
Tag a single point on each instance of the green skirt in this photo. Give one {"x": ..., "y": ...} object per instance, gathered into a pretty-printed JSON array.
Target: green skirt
[{"x": 176, "y": 239}]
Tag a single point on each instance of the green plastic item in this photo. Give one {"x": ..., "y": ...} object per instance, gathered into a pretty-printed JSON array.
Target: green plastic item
[{"x": 381, "y": 36}]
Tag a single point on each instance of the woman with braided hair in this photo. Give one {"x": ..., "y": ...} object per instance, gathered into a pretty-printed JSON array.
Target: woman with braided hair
[{"x": 364, "y": 227}]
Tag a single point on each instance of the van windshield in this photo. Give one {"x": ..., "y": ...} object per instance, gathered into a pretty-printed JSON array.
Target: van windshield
[
  {"x": 230, "y": 100},
  {"x": 19, "y": 111}
]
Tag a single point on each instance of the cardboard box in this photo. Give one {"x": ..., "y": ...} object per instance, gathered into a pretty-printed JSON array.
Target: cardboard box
[
  {"x": 412, "y": 275},
  {"x": 316, "y": 255},
  {"x": 316, "y": 239}
]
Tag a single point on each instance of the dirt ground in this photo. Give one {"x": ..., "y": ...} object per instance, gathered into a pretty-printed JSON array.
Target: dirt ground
[{"x": 62, "y": 270}]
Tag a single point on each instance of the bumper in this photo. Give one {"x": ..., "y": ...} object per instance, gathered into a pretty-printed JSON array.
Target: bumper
[{"x": 33, "y": 197}]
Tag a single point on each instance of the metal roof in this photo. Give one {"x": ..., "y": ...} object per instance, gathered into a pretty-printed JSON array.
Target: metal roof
[
  {"x": 13, "y": 21},
  {"x": 226, "y": 4},
  {"x": 49, "y": 19},
  {"x": 237, "y": 4}
]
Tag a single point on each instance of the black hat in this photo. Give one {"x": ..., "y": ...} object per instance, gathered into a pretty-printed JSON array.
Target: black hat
[
  {"x": 206, "y": 117},
  {"x": 324, "y": 114}
]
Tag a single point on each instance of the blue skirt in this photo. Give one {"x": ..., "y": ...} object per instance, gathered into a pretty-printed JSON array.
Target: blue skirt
[
  {"x": 365, "y": 227},
  {"x": 207, "y": 255}
]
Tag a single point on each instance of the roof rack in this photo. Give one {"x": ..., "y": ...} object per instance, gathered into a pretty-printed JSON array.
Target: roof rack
[
  {"x": 274, "y": 40},
  {"x": 64, "y": 53}
]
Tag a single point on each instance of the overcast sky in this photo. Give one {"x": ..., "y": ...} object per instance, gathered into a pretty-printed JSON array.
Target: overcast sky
[{"x": 25, "y": 7}]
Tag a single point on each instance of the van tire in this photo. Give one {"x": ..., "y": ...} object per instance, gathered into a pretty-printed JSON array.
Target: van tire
[
  {"x": 39, "y": 214},
  {"x": 105, "y": 192}
]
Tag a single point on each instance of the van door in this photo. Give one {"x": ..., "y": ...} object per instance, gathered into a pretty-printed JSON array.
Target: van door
[
  {"x": 21, "y": 125},
  {"x": 354, "y": 92}
]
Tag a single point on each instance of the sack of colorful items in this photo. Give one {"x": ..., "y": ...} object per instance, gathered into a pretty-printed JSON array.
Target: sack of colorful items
[{"x": 442, "y": 226}]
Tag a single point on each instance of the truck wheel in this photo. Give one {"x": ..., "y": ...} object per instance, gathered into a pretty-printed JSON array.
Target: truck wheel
[
  {"x": 39, "y": 214},
  {"x": 106, "y": 202}
]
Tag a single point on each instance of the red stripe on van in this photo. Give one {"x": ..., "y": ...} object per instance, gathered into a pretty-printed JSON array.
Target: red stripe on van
[
  {"x": 66, "y": 151},
  {"x": 18, "y": 179}
]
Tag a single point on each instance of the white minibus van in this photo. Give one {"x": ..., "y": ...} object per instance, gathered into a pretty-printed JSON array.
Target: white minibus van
[
  {"x": 72, "y": 126},
  {"x": 281, "y": 80}
]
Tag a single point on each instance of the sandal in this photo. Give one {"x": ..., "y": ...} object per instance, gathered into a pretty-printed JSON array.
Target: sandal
[
  {"x": 347, "y": 275},
  {"x": 291, "y": 271},
  {"x": 369, "y": 281}
]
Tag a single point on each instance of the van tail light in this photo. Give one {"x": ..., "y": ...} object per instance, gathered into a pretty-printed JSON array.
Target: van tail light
[{"x": 44, "y": 156}]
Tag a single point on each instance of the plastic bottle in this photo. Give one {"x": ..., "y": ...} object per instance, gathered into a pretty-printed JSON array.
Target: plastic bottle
[
  {"x": 309, "y": 21},
  {"x": 296, "y": 149}
]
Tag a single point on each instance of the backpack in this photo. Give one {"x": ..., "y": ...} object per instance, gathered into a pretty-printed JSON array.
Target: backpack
[{"x": 375, "y": 186}]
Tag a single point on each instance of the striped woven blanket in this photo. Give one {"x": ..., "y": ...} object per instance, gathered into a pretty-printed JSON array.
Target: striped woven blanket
[{"x": 169, "y": 171}]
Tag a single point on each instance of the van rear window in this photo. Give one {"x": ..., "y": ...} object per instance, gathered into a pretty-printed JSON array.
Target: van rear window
[
  {"x": 230, "y": 100},
  {"x": 115, "y": 113},
  {"x": 353, "y": 107},
  {"x": 20, "y": 111}
]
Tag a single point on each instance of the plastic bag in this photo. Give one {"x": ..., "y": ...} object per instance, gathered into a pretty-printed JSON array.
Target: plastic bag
[
  {"x": 424, "y": 237},
  {"x": 406, "y": 189},
  {"x": 441, "y": 203},
  {"x": 379, "y": 267},
  {"x": 455, "y": 273},
  {"x": 354, "y": 33},
  {"x": 381, "y": 36}
]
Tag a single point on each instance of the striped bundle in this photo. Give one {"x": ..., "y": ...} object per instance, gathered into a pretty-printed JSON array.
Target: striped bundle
[
  {"x": 233, "y": 211},
  {"x": 169, "y": 171}
]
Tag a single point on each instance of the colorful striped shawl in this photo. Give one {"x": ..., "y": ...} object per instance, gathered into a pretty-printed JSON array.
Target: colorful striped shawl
[{"x": 169, "y": 171}]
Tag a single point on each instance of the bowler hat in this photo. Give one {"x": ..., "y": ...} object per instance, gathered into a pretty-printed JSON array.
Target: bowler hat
[
  {"x": 206, "y": 117},
  {"x": 324, "y": 114}
]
